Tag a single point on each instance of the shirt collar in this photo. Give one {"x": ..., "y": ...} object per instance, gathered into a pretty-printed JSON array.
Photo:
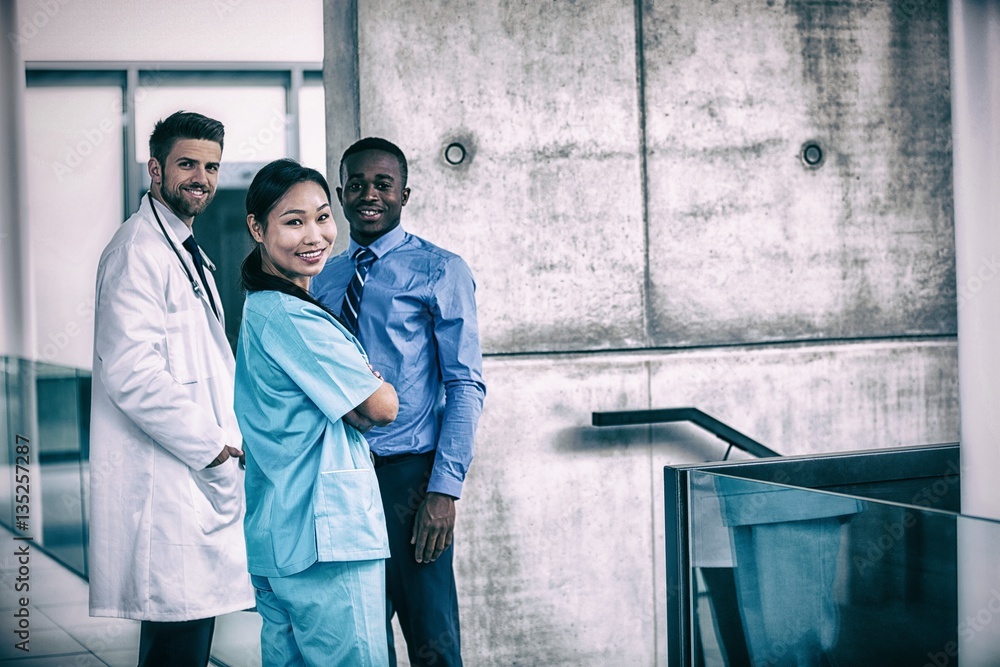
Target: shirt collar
[
  {"x": 170, "y": 219},
  {"x": 177, "y": 226},
  {"x": 382, "y": 244}
]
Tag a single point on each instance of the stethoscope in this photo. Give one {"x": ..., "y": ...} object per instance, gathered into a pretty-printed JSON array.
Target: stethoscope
[{"x": 194, "y": 283}]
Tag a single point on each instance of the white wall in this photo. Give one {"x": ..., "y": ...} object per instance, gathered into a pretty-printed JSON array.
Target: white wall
[
  {"x": 74, "y": 185},
  {"x": 179, "y": 30},
  {"x": 975, "y": 48},
  {"x": 74, "y": 144}
]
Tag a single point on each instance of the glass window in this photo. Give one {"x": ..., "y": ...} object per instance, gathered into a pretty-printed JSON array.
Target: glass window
[
  {"x": 312, "y": 129},
  {"x": 74, "y": 171},
  {"x": 254, "y": 116}
]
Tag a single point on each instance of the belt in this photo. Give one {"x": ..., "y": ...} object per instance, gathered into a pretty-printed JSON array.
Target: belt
[{"x": 378, "y": 460}]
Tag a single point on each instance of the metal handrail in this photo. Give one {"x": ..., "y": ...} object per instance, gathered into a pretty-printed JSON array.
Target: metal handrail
[{"x": 717, "y": 428}]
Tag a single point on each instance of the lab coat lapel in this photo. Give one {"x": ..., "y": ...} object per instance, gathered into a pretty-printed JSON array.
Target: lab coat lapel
[{"x": 216, "y": 324}]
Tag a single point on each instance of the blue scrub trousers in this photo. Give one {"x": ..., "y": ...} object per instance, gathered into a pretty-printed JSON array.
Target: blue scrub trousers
[{"x": 330, "y": 615}]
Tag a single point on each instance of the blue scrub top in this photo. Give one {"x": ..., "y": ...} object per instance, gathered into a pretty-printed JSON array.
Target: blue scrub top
[{"x": 312, "y": 494}]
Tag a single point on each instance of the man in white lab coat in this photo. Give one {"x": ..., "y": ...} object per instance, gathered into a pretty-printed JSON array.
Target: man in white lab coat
[{"x": 166, "y": 534}]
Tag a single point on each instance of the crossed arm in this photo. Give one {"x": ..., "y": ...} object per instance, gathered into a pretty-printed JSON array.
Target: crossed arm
[{"x": 379, "y": 409}]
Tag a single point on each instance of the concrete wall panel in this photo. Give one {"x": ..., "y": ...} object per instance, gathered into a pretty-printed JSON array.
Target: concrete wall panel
[
  {"x": 748, "y": 244},
  {"x": 560, "y": 536},
  {"x": 547, "y": 206},
  {"x": 554, "y": 542}
]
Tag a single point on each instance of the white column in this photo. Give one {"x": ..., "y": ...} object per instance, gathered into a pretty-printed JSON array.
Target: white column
[
  {"x": 975, "y": 82},
  {"x": 14, "y": 278}
]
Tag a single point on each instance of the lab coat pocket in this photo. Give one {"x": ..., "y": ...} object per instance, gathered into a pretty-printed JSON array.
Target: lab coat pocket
[
  {"x": 217, "y": 495},
  {"x": 350, "y": 524},
  {"x": 186, "y": 347}
]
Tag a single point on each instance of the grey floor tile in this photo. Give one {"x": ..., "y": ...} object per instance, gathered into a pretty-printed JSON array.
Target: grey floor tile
[
  {"x": 237, "y": 639},
  {"x": 67, "y": 660},
  {"x": 50, "y": 641},
  {"x": 96, "y": 634},
  {"x": 127, "y": 658}
]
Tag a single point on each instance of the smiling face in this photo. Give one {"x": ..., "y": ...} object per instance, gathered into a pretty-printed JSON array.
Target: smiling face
[
  {"x": 186, "y": 182},
  {"x": 373, "y": 194},
  {"x": 298, "y": 234}
]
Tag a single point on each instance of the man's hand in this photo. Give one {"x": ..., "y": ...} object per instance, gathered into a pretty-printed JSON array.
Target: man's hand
[
  {"x": 434, "y": 527},
  {"x": 227, "y": 453}
]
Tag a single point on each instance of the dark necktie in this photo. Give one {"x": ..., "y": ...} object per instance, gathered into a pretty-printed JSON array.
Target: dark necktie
[
  {"x": 192, "y": 247},
  {"x": 363, "y": 260}
]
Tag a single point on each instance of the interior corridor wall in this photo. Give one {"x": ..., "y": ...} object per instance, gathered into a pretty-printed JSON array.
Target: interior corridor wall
[
  {"x": 74, "y": 160},
  {"x": 645, "y": 233},
  {"x": 13, "y": 302}
]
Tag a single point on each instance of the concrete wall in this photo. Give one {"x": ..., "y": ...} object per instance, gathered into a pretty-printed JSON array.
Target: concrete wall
[{"x": 644, "y": 234}]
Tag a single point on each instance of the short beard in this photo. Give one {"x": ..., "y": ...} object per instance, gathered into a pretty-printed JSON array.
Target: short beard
[{"x": 180, "y": 206}]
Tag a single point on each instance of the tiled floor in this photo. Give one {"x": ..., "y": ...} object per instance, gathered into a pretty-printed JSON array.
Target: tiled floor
[{"x": 61, "y": 633}]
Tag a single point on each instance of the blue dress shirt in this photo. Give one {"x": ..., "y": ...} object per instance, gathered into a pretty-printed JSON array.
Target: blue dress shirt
[
  {"x": 418, "y": 324},
  {"x": 312, "y": 494}
]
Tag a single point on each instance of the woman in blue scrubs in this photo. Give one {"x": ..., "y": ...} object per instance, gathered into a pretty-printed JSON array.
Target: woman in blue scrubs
[{"x": 315, "y": 529}]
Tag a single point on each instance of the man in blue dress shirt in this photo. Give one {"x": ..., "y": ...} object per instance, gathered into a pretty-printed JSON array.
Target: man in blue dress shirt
[{"x": 415, "y": 312}]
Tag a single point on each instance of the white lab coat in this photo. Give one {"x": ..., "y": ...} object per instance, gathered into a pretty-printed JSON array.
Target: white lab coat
[{"x": 166, "y": 535}]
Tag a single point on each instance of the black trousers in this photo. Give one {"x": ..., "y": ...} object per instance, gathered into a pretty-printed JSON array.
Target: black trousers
[
  {"x": 422, "y": 594},
  {"x": 181, "y": 644}
]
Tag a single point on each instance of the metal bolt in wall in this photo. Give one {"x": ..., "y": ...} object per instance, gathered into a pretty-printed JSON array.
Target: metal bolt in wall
[
  {"x": 454, "y": 153},
  {"x": 812, "y": 154}
]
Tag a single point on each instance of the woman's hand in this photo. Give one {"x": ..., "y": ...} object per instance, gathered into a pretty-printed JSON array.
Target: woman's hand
[{"x": 359, "y": 421}]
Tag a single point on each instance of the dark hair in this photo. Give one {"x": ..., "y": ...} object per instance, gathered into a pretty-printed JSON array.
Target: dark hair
[
  {"x": 267, "y": 188},
  {"x": 375, "y": 144},
  {"x": 273, "y": 181},
  {"x": 182, "y": 125}
]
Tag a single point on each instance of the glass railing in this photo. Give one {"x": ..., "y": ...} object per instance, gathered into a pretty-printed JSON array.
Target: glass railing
[
  {"x": 44, "y": 482},
  {"x": 862, "y": 569},
  {"x": 46, "y": 413}
]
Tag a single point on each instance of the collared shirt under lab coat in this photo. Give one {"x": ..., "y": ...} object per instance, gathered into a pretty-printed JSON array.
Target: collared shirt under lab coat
[
  {"x": 312, "y": 494},
  {"x": 166, "y": 539}
]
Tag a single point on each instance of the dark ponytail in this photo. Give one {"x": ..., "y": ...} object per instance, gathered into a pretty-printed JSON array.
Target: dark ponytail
[{"x": 268, "y": 187}]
